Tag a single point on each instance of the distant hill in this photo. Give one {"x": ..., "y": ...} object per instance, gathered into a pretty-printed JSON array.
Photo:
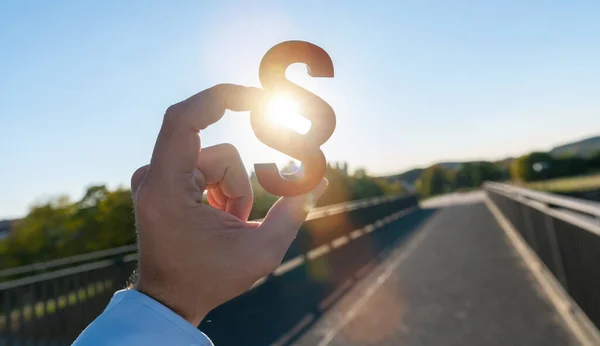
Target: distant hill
[
  {"x": 583, "y": 148},
  {"x": 451, "y": 165},
  {"x": 5, "y": 226},
  {"x": 409, "y": 177}
]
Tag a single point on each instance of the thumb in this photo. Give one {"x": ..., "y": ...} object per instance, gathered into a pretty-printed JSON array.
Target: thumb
[{"x": 287, "y": 215}]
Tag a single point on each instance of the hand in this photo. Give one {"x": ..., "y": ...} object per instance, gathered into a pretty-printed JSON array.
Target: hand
[{"x": 194, "y": 257}]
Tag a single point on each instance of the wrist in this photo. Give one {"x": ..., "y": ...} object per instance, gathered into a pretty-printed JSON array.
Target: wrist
[{"x": 175, "y": 301}]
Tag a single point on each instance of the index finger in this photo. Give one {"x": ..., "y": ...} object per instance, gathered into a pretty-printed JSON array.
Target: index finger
[{"x": 177, "y": 146}]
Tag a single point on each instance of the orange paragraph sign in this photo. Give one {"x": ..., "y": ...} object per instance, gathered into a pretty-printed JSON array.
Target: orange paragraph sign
[{"x": 305, "y": 148}]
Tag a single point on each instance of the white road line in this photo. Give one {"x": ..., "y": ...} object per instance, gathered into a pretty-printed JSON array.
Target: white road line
[
  {"x": 339, "y": 241},
  {"x": 258, "y": 283},
  {"x": 289, "y": 265},
  {"x": 356, "y": 234},
  {"x": 389, "y": 270},
  {"x": 321, "y": 250}
]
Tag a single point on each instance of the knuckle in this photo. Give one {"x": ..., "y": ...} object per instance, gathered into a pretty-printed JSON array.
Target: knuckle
[
  {"x": 138, "y": 176},
  {"x": 172, "y": 113},
  {"x": 221, "y": 88},
  {"x": 146, "y": 205}
]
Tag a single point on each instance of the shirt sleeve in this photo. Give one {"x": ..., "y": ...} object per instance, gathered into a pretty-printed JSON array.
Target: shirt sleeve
[{"x": 133, "y": 318}]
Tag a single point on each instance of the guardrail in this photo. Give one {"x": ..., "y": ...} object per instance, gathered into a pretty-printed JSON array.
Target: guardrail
[
  {"x": 37, "y": 268},
  {"x": 53, "y": 307},
  {"x": 565, "y": 234}
]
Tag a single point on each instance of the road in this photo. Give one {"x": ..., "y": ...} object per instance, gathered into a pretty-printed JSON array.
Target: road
[{"x": 454, "y": 281}]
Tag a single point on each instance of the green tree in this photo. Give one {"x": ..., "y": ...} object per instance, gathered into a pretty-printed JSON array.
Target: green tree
[
  {"x": 534, "y": 166},
  {"x": 104, "y": 218},
  {"x": 435, "y": 180},
  {"x": 594, "y": 161},
  {"x": 570, "y": 165},
  {"x": 474, "y": 174}
]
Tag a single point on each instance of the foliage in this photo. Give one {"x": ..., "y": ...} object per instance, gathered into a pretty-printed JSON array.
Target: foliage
[
  {"x": 524, "y": 167},
  {"x": 104, "y": 219},
  {"x": 58, "y": 228},
  {"x": 474, "y": 174},
  {"x": 569, "y": 166},
  {"x": 550, "y": 167},
  {"x": 436, "y": 180},
  {"x": 594, "y": 161}
]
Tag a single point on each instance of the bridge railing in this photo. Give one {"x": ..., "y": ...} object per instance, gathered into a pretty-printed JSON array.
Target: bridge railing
[
  {"x": 565, "y": 234},
  {"x": 53, "y": 304}
]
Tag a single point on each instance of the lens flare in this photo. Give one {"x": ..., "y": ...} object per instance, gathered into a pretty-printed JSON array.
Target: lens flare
[{"x": 285, "y": 111}]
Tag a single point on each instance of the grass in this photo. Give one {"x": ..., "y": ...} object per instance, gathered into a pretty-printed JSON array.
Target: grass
[{"x": 571, "y": 184}]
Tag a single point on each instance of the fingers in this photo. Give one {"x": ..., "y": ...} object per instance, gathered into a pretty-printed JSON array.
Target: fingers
[
  {"x": 177, "y": 146},
  {"x": 227, "y": 179},
  {"x": 137, "y": 178},
  {"x": 287, "y": 215}
]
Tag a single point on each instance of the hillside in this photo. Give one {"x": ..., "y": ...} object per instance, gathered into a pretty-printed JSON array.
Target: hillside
[
  {"x": 583, "y": 148},
  {"x": 409, "y": 177}
]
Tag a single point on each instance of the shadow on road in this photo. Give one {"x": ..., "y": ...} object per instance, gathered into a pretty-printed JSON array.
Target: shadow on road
[{"x": 281, "y": 309}]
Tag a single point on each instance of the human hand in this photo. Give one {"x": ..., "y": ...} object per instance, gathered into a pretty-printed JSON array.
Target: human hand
[{"x": 192, "y": 256}]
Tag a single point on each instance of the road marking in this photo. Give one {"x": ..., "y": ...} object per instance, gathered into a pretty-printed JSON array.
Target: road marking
[
  {"x": 340, "y": 241},
  {"x": 258, "y": 283},
  {"x": 289, "y": 265},
  {"x": 405, "y": 252},
  {"x": 356, "y": 234},
  {"x": 369, "y": 228},
  {"x": 321, "y": 250},
  {"x": 576, "y": 320}
]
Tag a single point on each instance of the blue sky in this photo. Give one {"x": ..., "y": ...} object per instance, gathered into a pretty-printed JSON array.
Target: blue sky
[{"x": 84, "y": 84}]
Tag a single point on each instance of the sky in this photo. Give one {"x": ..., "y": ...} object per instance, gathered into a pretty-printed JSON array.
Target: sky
[{"x": 84, "y": 84}]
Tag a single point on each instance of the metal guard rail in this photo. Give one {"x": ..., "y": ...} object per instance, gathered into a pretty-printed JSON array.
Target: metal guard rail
[
  {"x": 53, "y": 307},
  {"x": 564, "y": 232},
  {"x": 35, "y": 268}
]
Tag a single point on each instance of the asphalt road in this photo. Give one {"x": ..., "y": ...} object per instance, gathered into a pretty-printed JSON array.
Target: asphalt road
[{"x": 454, "y": 281}]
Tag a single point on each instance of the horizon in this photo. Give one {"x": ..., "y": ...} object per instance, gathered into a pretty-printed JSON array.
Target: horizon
[
  {"x": 84, "y": 85},
  {"x": 41, "y": 198}
]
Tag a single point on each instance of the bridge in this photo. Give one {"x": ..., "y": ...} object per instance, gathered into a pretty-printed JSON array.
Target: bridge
[{"x": 503, "y": 266}]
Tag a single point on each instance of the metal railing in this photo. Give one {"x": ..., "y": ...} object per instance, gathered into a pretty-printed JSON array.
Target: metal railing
[
  {"x": 36, "y": 268},
  {"x": 54, "y": 306},
  {"x": 564, "y": 233}
]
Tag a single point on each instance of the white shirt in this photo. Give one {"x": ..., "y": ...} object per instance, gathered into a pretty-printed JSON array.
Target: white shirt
[{"x": 132, "y": 318}]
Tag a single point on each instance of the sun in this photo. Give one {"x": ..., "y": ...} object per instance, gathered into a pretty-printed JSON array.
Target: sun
[{"x": 285, "y": 111}]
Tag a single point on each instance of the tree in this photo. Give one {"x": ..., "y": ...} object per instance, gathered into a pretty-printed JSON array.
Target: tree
[
  {"x": 534, "y": 166},
  {"x": 570, "y": 165},
  {"x": 435, "y": 180},
  {"x": 594, "y": 161},
  {"x": 104, "y": 218},
  {"x": 474, "y": 174}
]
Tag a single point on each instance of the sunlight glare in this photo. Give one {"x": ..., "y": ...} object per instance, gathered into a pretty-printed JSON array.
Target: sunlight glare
[{"x": 284, "y": 110}]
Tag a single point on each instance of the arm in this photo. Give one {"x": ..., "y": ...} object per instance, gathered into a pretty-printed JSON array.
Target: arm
[{"x": 194, "y": 257}]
